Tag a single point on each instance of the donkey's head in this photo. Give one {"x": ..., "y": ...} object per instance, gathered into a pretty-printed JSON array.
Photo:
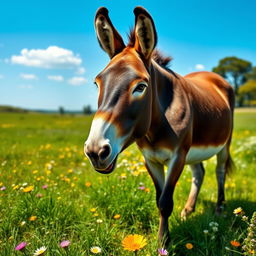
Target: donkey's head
[{"x": 125, "y": 92}]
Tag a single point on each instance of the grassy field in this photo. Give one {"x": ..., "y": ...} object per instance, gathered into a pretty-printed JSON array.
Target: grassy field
[{"x": 67, "y": 200}]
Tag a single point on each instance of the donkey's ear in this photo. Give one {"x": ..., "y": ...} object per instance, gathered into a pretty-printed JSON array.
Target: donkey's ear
[
  {"x": 110, "y": 40},
  {"x": 145, "y": 32}
]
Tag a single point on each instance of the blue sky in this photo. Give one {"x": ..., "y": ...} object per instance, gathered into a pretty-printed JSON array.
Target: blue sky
[{"x": 49, "y": 54}]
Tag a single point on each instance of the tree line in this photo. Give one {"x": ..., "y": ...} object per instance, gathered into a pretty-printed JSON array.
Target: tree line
[{"x": 242, "y": 76}]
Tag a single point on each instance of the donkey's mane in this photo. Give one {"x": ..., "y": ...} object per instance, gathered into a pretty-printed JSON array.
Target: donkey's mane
[{"x": 157, "y": 56}]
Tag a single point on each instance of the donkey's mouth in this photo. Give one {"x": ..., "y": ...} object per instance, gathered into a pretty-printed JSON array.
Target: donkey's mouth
[{"x": 109, "y": 169}]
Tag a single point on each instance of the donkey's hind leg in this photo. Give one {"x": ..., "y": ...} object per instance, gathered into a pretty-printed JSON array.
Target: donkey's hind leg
[
  {"x": 197, "y": 179},
  {"x": 224, "y": 165}
]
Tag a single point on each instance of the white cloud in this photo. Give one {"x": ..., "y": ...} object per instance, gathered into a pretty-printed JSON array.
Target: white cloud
[
  {"x": 56, "y": 78},
  {"x": 1, "y": 76},
  {"x": 28, "y": 76},
  {"x": 52, "y": 57},
  {"x": 77, "y": 80},
  {"x": 26, "y": 86},
  {"x": 80, "y": 71},
  {"x": 199, "y": 67}
]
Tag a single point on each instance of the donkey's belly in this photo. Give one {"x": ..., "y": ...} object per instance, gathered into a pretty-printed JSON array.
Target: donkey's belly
[
  {"x": 195, "y": 154},
  {"x": 198, "y": 154}
]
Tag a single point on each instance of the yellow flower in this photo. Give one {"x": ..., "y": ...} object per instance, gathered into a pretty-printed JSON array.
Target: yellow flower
[
  {"x": 93, "y": 210},
  {"x": 28, "y": 189},
  {"x": 40, "y": 251},
  {"x": 189, "y": 246},
  {"x": 235, "y": 243},
  {"x": 238, "y": 211},
  {"x": 117, "y": 216},
  {"x": 88, "y": 184},
  {"x": 134, "y": 243},
  {"x": 147, "y": 190},
  {"x": 32, "y": 218}
]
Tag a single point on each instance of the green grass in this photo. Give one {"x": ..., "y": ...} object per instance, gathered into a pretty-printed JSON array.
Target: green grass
[{"x": 39, "y": 149}]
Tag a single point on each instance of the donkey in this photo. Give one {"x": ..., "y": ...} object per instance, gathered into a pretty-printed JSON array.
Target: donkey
[{"x": 174, "y": 120}]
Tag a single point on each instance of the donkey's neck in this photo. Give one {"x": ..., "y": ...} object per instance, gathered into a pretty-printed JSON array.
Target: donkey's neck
[{"x": 169, "y": 106}]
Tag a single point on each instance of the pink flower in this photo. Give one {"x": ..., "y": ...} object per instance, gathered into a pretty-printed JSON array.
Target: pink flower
[
  {"x": 21, "y": 246},
  {"x": 141, "y": 187},
  {"x": 45, "y": 186},
  {"x": 3, "y": 188},
  {"x": 65, "y": 244},
  {"x": 162, "y": 251}
]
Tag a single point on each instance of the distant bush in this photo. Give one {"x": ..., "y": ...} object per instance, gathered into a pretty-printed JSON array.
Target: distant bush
[{"x": 4, "y": 108}]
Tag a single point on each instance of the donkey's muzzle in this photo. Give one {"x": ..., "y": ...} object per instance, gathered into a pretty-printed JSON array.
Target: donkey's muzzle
[{"x": 99, "y": 156}]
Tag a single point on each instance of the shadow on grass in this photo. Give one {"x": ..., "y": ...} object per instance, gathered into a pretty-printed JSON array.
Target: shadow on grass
[{"x": 230, "y": 227}]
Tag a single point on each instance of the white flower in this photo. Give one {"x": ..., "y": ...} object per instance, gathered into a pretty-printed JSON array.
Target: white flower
[
  {"x": 206, "y": 231},
  {"x": 40, "y": 251},
  {"x": 214, "y": 229},
  {"x": 99, "y": 221},
  {"x": 95, "y": 249}
]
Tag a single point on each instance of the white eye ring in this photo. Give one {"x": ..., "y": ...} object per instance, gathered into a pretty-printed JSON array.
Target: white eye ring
[{"x": 139, "y": 89}]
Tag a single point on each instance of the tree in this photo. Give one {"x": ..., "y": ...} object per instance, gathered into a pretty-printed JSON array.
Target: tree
[
  {"x": 61, "y": 110},
  {"x": 247, "y": 92},
  {"x": 234, "y": 70},
  {"x": 251, "y": 75},
  {"x": 87, "y": 110}
]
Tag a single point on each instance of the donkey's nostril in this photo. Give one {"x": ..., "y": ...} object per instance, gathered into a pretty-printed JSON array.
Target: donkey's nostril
[{"x": 105, "y": 152}]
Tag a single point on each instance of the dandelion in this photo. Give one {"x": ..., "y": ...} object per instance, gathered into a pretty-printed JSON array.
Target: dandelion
[
  {"x": 134, "y": 243},
  {"x": 117, "y": 216},
  {"x": 238, "y": 211},
  {"x": 40, "y": 251},
  {"x": 235, "y": 243},
  {"x": 65, "y": 244},
  {"x": 93, "y": 210},
  {"x": 189, "y": 246},
  {"x": 28, "y": 189},
  {"x": 95, "y": 249},
  {"x": 21, "y": 246},
  {"x": 162, "y": 251},
  {"x": 32, "y": 218},
  {"x": 88, "y": 184}
]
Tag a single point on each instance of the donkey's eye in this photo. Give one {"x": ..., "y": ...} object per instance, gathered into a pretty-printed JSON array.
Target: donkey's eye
[{"x": 140, "y": 88}]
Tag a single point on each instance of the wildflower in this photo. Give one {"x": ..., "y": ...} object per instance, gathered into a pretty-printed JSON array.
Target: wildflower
[
  {"x": 99, "y": 221},
  {"x": 238, "y": 211},
  {"x": 214, "y": 229},
  {"x": 123, "y": 176},
  {"x": 45, "y": 186},
  {"x": 32, "y": 218},
  {"x": 65, "y": 244},
  {"x": 213, "y": 224},
  {"x": 40, "y": 251},
  {"x": 23, "y": 223},
  {"x": 3, "y": 188},
  {"x": 39, "y": 195},
  {"x": 147, "y": 190},
  {"x": 95, "y": 214},
  {"x": 88, "y": 184},
  {"x": 141, "y": 187},
  {"x": 21, "y": 246},
  {"x": 93, "y": 210},
  {"x": 162, "y": 251},
  {"x": 235, "y": 243},
  {"x": 117, "y": 216},
  {"x": 134, "y": 243},
  {"x": 206, "y": 232},
  {"x": 95, "y": 249},
  {"x": 189, "y": 246},
  {"x": 28, "y": 189}
]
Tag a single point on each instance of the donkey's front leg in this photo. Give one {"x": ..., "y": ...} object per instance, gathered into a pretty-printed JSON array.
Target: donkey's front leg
[{"x": 166, "y": 199}]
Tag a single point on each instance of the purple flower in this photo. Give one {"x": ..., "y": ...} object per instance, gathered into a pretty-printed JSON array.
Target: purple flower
[
  {"x": 45, "y": 186},
  {"x": 21, "y": 246},
  {"x": 3, "y": 188},
  {"x": 65, "y": 244},
  {"x": 162, "y": 251}
]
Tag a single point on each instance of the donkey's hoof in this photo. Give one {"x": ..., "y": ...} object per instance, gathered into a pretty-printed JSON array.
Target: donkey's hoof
[{"x": 185, "y": 213}]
